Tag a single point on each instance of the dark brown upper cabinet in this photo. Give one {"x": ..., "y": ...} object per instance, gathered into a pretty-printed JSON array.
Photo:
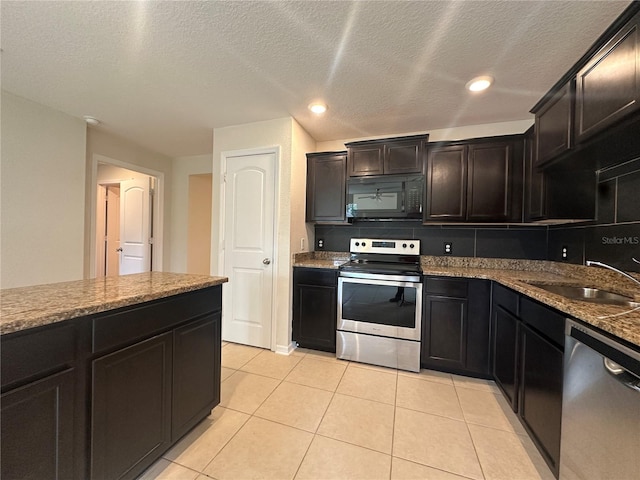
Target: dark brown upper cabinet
[
  {"x": 596, "y": 103},
  {"x": 534, "y": 181},
  {"x": 446, "y": 183},
  {"x": 326, "y": 186},
  {"x": 475, "y": 181},
  {"x": 608, "y": 86},
  {"x": 387, "y": 156},
  {"x": 554, "y": 124}
]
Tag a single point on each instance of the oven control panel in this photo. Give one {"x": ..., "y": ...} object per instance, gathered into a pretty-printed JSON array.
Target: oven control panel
[{"x": 380, "y": 245}]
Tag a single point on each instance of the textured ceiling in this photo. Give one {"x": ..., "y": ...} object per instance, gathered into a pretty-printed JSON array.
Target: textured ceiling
[{"x": 164, "y": 74}]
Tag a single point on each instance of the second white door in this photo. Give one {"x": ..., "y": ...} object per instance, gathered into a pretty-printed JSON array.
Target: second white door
[
  {"x": 248, "y": 248},
  {"x": 135, "y": 223}
]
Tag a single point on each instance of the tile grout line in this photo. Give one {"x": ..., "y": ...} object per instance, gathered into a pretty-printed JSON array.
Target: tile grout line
[
  {"x": 475, "y": 449},
  {"x": 315, "y": 433},
  {"x": 245, "y": 422}
]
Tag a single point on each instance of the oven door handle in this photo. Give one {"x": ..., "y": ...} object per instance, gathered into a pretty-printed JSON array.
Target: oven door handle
[
  {"x": 390, "y": 283},
  {"x": 379, "y": 279}
]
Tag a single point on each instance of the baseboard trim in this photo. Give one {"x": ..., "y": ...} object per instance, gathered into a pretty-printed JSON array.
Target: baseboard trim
[{"x": 285, "y": 349}]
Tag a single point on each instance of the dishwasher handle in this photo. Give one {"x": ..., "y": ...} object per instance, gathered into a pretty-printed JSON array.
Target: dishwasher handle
[
  {"x": 620, "y": 361},
  {"x": 621, "y": 374}
]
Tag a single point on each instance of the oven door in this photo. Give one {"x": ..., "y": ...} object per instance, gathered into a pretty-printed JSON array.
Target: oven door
[{"x": 365, "y": 306}]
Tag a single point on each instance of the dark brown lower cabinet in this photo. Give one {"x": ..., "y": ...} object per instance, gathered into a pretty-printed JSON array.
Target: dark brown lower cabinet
[
  {"x": 540, "y": 402},
  {"x": 455, "y": 325},
  {"x": 505, "y": 356},
  {"x": 196, "y": 372},
  {"x": 131, "y": 397},
  {"x": 528, "y": 353},
  {"x": 37, "y": 429},
  {"x": 315, "y": 308}
]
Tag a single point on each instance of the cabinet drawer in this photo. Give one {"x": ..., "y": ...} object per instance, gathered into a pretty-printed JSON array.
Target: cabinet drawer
[
  {"x": 316, "y": 276},
  {"x": 507, "y": 299},
  {"x": 27, "y": 354},
  {"x": 547, "y": 321},
  {"x": 128, "y": 325},
  {"x": 449, "y": 287}
]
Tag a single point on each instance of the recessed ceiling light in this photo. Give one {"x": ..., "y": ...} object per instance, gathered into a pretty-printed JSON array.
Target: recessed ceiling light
[
  {"x": 478, "y": 84},
  {"x": 91, "y": 120},
  {"x": 318, "y": 108}
]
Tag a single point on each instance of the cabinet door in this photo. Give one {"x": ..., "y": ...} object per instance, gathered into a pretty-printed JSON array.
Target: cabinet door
[
  {"x": 446, "y": 183},
  {"x": 365, "y": 160},
  {"x": 444, "y": 332},
  {"x": 554, "y": 125},
  {"x": 326, "y": 186},
  {"x": 403, "y": 157},
  {"x": 196, "y": 372},
  {"x": 534, "y": 183},
  {"x": 315, "y": 308},
  {"x": 505, "y": 353},
  {"x": 478, "y": 337},
  {"x": 37, "y": 429},
  {"x": 540, "y": 403},
  {"x": 492, "y": 182},
  {"x": 131, "y": 408},
  {"x": 608, "y": 86}
]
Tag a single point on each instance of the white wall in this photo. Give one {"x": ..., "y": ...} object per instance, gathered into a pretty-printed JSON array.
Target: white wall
[
  {"x": 42, "y": 194},
  {"x": 252, "y": 136},
  {"x": 107, "y": 173},
  {"x": 444, "y": 134},
  {"x": 302, "y": 144},
  {"x": 182, "y": 167}
]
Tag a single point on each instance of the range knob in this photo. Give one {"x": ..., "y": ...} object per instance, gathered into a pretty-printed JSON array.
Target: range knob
[
  {"x": 364, "y": 244},
  {"x": 404, "y": 245},
  {"x": 411, "y": 245},
  {"x": 357, "y": 244}
]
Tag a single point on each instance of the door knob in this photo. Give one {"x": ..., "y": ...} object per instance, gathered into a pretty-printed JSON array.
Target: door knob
[
  {"x": 266, "y": 261},
  {"x": 119, "y": 249}
]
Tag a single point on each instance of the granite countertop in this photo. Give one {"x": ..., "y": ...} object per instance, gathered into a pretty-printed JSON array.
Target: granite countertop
[
  {"x": 320, "y": 259},
  {"x": 619, "y": 321},
  {"x": 38, "y": 305}
]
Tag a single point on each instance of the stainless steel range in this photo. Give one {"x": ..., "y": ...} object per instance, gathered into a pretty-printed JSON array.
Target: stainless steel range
[{"x": 380, "y": 303}]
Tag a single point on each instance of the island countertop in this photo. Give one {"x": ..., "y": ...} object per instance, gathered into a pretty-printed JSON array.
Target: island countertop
[{"x": 33, "y": 306}]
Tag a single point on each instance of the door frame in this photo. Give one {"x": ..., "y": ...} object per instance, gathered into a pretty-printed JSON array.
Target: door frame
[
  {"x": 158, "y": 209},
  {"x": 275, "y": 150}
]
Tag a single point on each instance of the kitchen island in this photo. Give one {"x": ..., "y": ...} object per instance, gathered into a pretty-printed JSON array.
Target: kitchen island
[{"x": 100, "y": 377}]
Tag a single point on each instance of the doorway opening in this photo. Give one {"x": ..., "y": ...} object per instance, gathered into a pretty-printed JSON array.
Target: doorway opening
[
  {"x": 126, "y": 223},
  {"x": 199, "y": 224}
]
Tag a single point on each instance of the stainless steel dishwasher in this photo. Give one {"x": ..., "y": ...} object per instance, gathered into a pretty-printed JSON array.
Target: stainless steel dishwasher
[{"x": 600, "y": 407}]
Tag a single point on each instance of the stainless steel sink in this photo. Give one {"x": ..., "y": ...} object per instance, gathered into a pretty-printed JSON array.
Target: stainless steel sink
[{"x": 587, "y": 294}]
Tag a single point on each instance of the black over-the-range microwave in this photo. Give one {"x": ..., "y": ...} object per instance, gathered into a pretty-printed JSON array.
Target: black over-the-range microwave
[{"x": 385, "y": 197}]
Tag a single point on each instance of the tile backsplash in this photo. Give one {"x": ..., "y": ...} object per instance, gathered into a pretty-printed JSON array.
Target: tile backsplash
[
  {"x": 613, "y": 239},
  {"x": 467, "y": 241}
]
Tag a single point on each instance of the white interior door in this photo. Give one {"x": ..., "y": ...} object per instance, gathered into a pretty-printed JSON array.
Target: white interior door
[
  {"x": 248, "y": 249},
  {"x": 135, "y": 223}
]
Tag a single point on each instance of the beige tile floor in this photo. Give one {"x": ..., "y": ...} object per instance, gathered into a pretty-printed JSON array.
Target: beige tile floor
[{"x": 310, "y": 416}]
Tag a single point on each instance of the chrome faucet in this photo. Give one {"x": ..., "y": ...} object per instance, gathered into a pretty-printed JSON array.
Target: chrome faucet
[{"x": 590, "y": 263}]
